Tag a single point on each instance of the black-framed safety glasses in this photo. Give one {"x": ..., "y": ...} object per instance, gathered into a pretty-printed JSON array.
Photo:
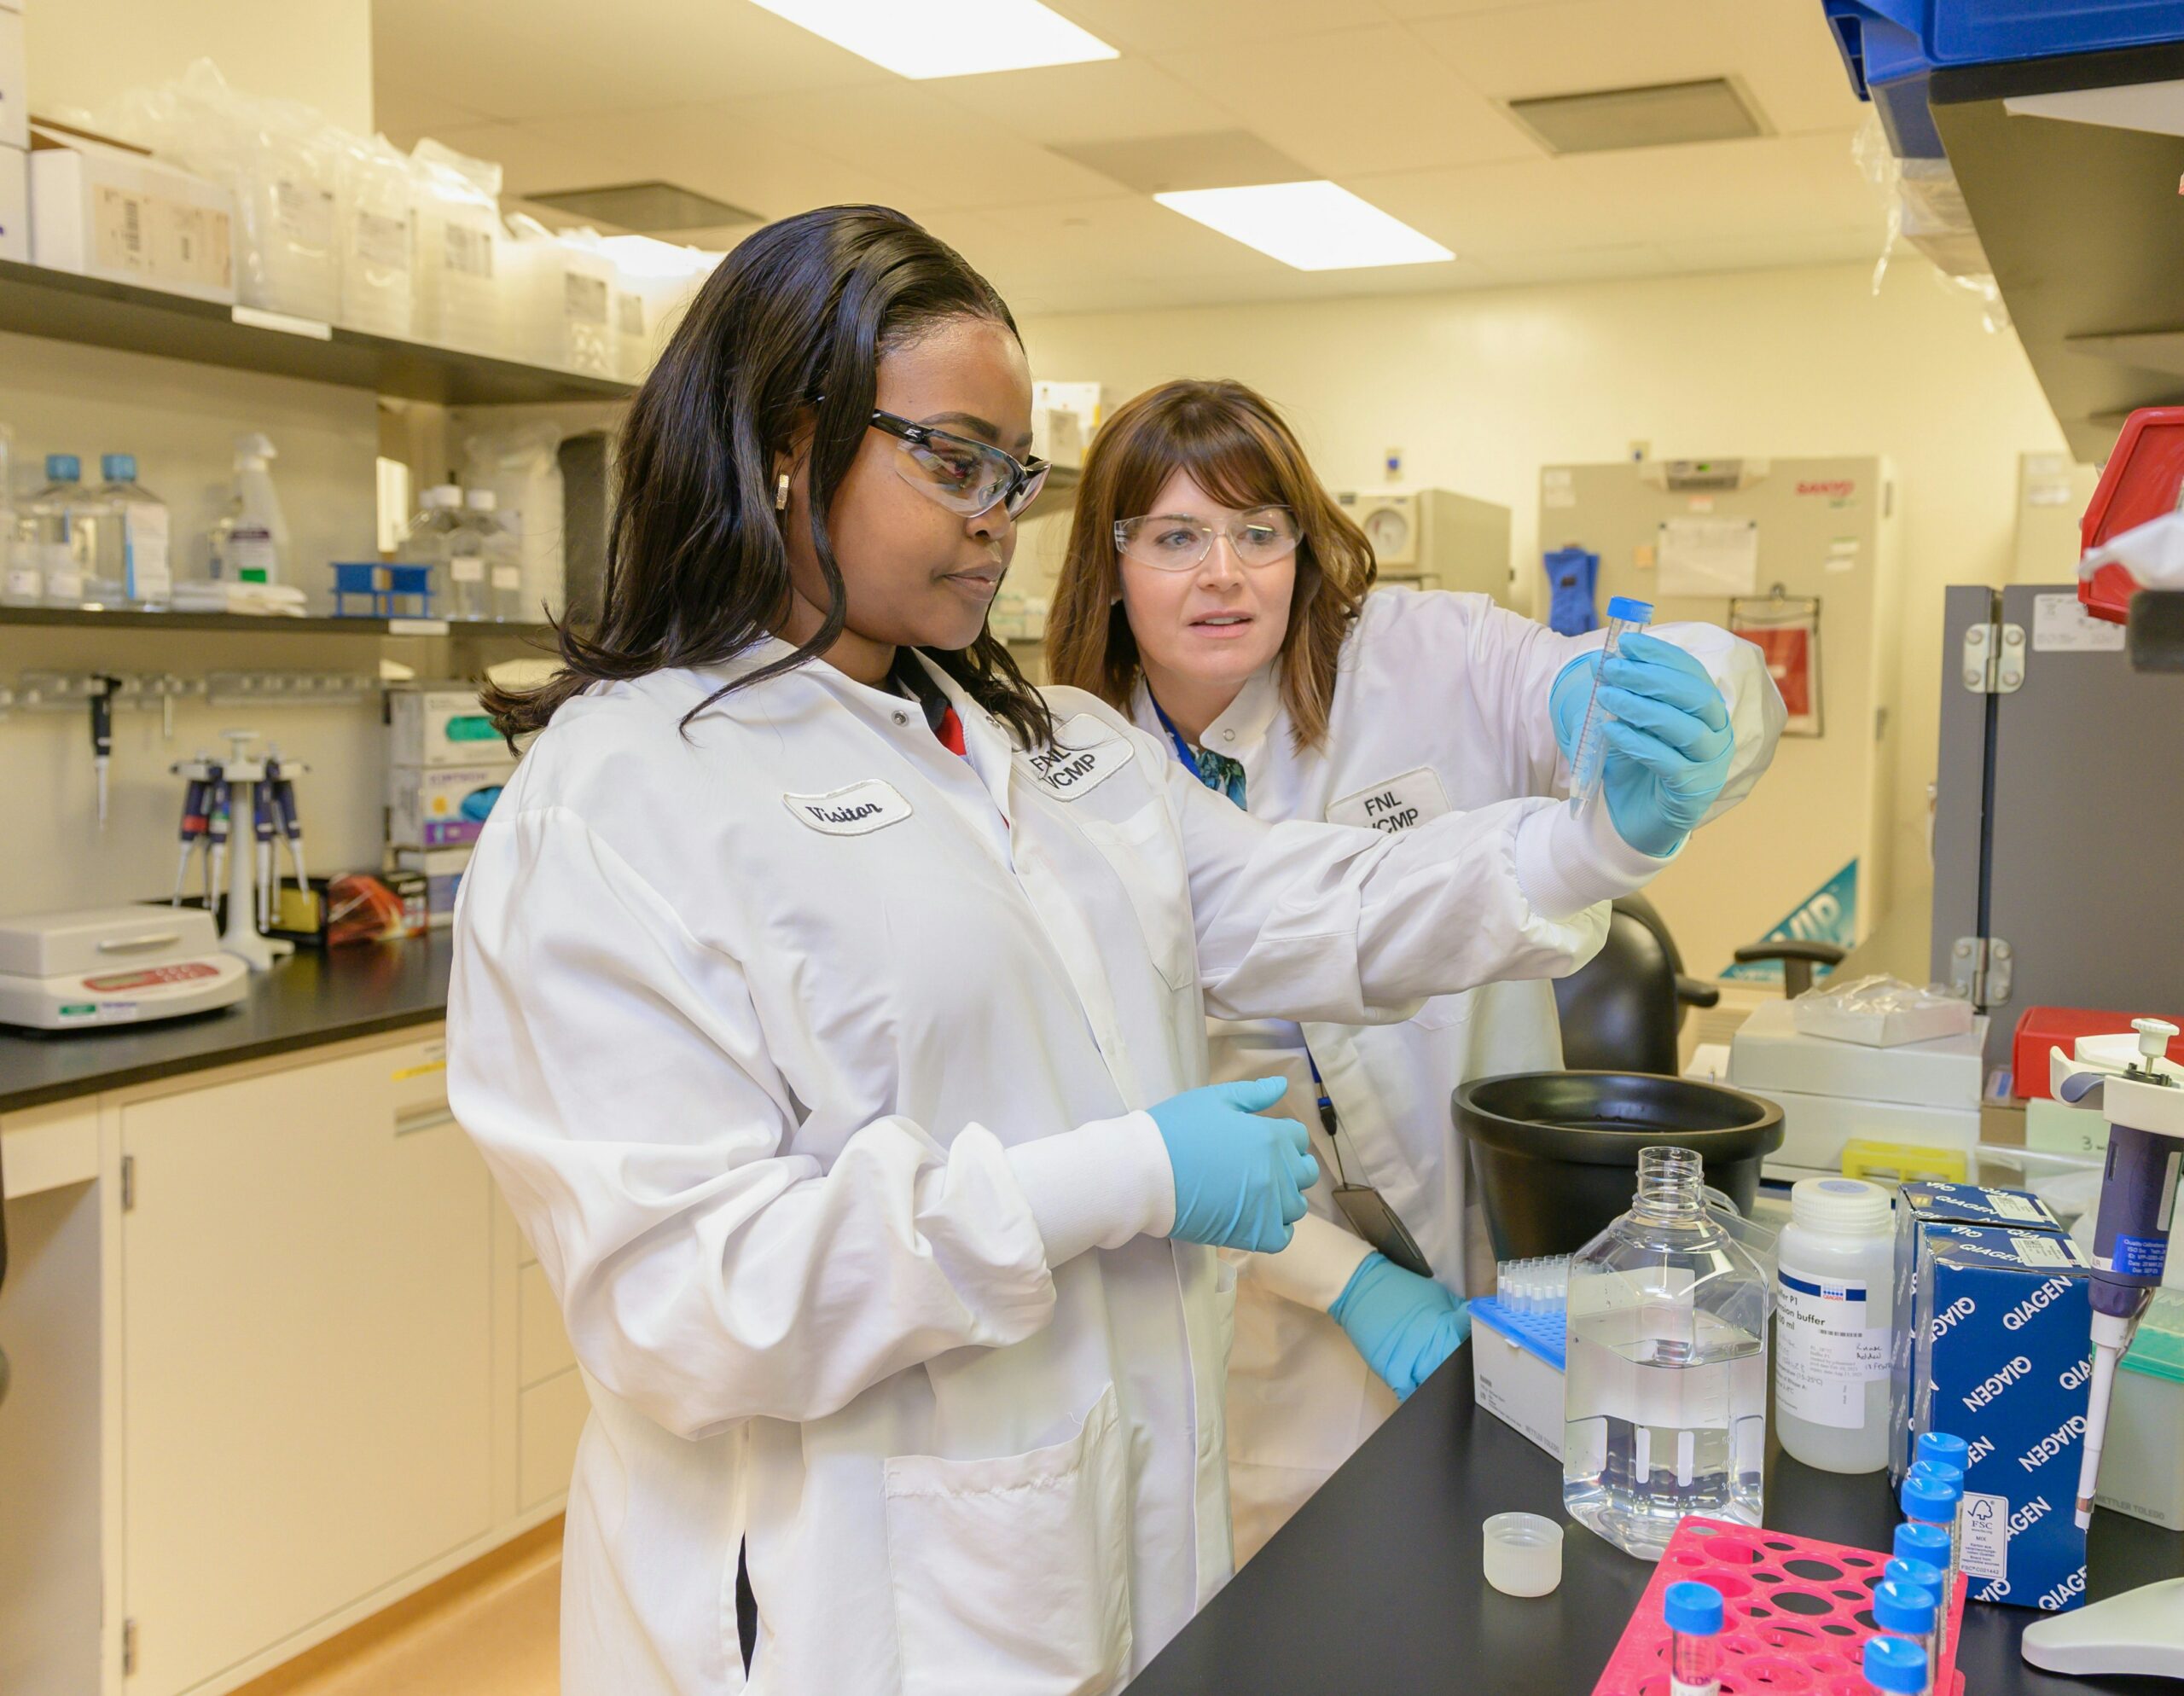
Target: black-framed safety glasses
[{"x": 962, "y": 475}]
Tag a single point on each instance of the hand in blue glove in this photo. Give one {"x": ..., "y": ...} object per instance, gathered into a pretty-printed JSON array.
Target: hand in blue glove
[
  {"x": 1668, "y": 746},
  {"x": 1240, "y": 1179},
  {"x": 1404, "y": 1325}
]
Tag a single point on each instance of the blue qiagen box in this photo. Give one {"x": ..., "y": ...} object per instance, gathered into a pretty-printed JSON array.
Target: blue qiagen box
[
  {"x": 2001, "y": 1357},
  {"x": 1920, "y": 1204}
]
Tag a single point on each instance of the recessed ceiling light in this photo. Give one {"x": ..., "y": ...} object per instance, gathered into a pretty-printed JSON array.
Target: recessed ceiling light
[
  {"x": 964, "y": 39},
  {"x": 1658, "y": 115},
  {"x": 1312, "y": 226}
]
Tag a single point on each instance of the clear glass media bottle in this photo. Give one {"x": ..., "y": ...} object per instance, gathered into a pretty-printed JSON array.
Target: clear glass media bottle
[{"x": 1664, "y": 1402}]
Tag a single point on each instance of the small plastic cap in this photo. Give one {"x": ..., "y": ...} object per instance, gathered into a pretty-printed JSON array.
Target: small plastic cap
[
  {"x": 1905, "y": 1607},
  {"x": 63, "y": 469},
  {"x": 1921, "y": 1575},
  {"x": 1847, "y": 1207},
  {"x": 1929, "y": 1543},
  {"x": 1939, "y": 1445},
  {"x": 1693, "y": 1608},
  {"x": 1894, "y": 1666},
  {"x": 118, "y": 468},
  {"x": 480, "y": 500},
  {"x": 1929, "y": 1498},
  {"x": 443, "y": 495},
  {"x": 1635, "y": 612},
  {"x": 1523, "y": 1554},
  {"x": 1939, "y": 1475}
]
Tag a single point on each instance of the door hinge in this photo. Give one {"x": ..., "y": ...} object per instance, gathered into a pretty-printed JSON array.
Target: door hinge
[
  {"x": 128, "y": 1183},
  {"x": 1979, "y": 970},
  {"x": 128, "y": 1647},
  {"x": 1993, "y": 660}
]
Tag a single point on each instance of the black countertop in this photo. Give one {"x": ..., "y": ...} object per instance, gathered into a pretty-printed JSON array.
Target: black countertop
[
  {"x": 311, "y": 998},
  {"x": 1375, "y": 1585}
]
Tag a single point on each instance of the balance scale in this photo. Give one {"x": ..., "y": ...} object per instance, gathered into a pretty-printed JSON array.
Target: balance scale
[{"x": 114, "y": 966}]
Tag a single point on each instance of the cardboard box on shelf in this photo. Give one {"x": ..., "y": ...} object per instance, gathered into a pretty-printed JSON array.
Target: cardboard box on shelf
[
  {"x": 440, "y": 726},
  {"x": 442, "y": 806},
  {"x": 14, "y": 206},
  {"x": 107, "y": 212}
]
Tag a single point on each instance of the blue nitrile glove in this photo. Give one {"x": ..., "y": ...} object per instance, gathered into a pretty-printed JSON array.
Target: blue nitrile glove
[
  {"x": 1668, "y": 745},
  {"x": 1404, "y": 1325},
  {"x": 1240, "y": 1179}
]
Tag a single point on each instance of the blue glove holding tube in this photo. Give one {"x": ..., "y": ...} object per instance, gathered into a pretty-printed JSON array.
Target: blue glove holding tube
[
  {"x": 1668, "y": 745},
  {"x": 1240, "y": 1179},
  {"x": 1404, "y": 1325}
]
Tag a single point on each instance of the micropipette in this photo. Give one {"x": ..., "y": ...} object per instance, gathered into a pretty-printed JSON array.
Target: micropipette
[
  {"x": 217, "y": 822},
  {"x": 103, "y": 694},
  {"x": 2142, "y": 1098},
  {"x": 194, "y": 827}
]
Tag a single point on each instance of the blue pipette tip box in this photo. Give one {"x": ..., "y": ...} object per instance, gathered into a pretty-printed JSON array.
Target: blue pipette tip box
[{"x": 1517, "y": 1369}]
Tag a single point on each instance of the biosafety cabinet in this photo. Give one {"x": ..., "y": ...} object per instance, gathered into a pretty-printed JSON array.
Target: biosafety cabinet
[{"x": 1799, "y": 557}]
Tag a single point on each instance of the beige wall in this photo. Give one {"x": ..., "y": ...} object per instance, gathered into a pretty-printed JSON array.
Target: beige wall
[
  {"x": 1480, "y": 389},
  {"x": 83, "y": 52}
]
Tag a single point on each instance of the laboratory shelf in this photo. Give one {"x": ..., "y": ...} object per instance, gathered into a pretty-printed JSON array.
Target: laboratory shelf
[
  {"x": 62, "y": 306},
  {"x": 2080, "y": 227},
  {"x": 71, "y": 617}
]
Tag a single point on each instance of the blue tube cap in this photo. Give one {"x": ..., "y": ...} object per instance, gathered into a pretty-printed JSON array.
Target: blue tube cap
[
  {"x": 1693, "y": 1608},
  {"x": 1922, "y": 1575},
  {"x": 1905, "y": 1607},
  {"x": 1896, "y": 1665},
  {"x": 1929, "y": 1543},
  {"x": 1939, "y": 1445},
  {"x": 1929, "y": 1498},
  {"x": 1941, "y": 1473},
  {"x": 1637, "y": 612}
]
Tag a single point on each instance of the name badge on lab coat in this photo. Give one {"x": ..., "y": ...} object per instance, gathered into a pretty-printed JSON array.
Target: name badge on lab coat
[
  {"x": 857, "y": 810},
  {"x": 1394, "y": 805},
  {"x": 1085, "y": 754}
]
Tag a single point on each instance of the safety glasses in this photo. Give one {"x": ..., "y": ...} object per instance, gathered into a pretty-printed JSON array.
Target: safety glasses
[
  {"x": 964, "y": 476},
  {"x": 1265, "y": 536}
]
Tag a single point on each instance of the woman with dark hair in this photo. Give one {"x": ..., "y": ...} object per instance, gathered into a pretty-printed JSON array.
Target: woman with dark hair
[
  {"x": 830, "y": 1007},
  {"x": 1216, "y": 592}
]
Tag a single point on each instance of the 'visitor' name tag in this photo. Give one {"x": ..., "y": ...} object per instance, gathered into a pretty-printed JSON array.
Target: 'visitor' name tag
[{"x": 857, "y": 810}]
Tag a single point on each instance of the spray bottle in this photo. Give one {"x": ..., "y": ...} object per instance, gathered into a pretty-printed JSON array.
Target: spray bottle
[{"x": 250, "y": 541}]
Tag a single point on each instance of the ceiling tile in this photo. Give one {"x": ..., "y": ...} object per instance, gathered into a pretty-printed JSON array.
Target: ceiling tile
[
  {"x": 1774, "y": 185},
  {"x": 549, "y": 58},
  {"x": 405, "y": 116},
  {"x": 1791, "y": 247},
  {"x": 1109, "y": 100},
  {"x": 1576, "y": 265},
  {"x": 1780, "y": 49},
  {"x": 534, "y": 161},
  {"x": 1156, "y": 26},
  {"x": 1520, "y": 207},
  {"x": 1357, "y": 101},
  {"x": 908, "y": 133},
  {"x": 722, "y": 152}
]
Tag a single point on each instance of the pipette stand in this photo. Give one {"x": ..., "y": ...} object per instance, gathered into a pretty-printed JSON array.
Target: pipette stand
[{"x": 240, "y": 935}]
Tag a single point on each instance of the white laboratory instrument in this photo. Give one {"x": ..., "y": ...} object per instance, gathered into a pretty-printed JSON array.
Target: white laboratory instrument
[
  {"x": 243, "y": 776},
  {"x": 1434, "y": 538},
  {"x": 114, "y": 966},
  {"x": 2141, "y": 1095}
]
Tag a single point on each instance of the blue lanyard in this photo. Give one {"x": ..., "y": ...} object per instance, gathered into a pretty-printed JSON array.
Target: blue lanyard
[{"x": 1189, "y": 760}]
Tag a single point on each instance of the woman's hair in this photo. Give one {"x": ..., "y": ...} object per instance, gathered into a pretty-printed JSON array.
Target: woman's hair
[
  {"x": 792, "y": 323},
  {"x": 1237, "y": 450}
]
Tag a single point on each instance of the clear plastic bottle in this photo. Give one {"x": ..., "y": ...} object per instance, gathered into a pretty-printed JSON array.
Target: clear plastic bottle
[
  {"x": 1833, "y": 1297},
  {"x": 132, "y": 560},
  {"x": 21, "y": 582},
  {"x": 1664, "y": 1403},
  {"x": 62, "y": 528},
  {"x": 431, "y": 540},
  {"x": 1623, "y": 615}
]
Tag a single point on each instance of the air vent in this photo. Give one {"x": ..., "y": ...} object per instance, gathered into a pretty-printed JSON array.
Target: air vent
[
  {"x": 1175, "y": 164},
  {"x": 1662, "y": 115},
  {"x": 646, "y": 208}
]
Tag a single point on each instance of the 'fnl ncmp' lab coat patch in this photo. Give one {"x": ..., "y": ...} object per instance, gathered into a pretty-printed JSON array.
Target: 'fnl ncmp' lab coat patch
[
  {"x": 1084, "y": 755},
  {"x": 1395, "y": 805}
]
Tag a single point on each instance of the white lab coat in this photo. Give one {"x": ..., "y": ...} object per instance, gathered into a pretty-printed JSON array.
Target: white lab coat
[
  {"x": 809, "y": 1054},
  {"x": 1440, "y": 704}
]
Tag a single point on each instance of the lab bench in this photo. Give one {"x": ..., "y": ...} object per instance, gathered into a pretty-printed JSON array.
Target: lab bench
[
  {"x": 280, "y": 1354},
  {"x": 1375, "y": 1585}
]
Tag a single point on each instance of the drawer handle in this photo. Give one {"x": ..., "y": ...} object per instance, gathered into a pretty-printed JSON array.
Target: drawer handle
[
  {"x": 138, "y": 945},
  {"x": 410, "y": 1120}
]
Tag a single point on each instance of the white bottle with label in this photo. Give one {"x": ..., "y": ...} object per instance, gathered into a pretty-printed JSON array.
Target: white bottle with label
[
  {"x": 250, "y": 544},
  {"x": 1834, "y": 1295}
]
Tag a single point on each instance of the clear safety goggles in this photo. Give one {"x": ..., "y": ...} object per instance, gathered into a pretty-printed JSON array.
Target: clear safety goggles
[
  {"x": 1265, "y": 536},
  {"x": 962, "y": 475}
]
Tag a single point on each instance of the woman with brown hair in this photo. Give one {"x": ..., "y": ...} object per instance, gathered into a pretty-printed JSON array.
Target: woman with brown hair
[{"x": 1215, "y": 593}]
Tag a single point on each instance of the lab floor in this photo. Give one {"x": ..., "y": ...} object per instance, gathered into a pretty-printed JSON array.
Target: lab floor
[{"x": 490, "y": 1630}]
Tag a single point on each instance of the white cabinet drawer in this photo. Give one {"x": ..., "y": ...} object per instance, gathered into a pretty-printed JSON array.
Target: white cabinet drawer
[
  {"x": 544, "y": 1347},
  {"x": 552, "y": 1419}
]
